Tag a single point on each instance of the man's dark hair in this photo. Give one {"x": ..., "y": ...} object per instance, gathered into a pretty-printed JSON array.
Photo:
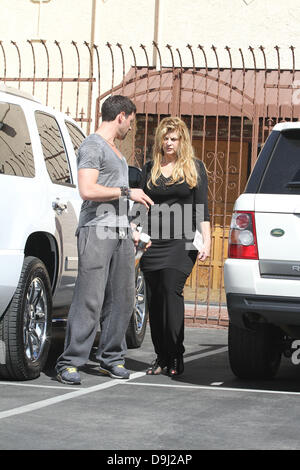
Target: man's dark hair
[{"x": 114, "y": 105}]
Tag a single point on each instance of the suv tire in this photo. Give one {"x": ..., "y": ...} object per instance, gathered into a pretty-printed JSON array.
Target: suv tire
[
  {"x": 254, "y": 353},
  {"x": 25, "y": 328},
  {"x": 138, "y": 322}
]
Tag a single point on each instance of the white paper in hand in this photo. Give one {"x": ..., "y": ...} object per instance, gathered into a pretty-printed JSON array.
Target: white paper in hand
[{"x": 198, "y": 240}]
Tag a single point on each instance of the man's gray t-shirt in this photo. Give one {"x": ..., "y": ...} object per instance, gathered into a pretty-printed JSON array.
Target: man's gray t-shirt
[{"x": 95, "y": 152}]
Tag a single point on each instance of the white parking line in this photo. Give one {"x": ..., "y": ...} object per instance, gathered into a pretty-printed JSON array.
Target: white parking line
[
  {"x": 61, "y": 387},
  {"x": 78, "y": 392},
  {"x": 210, "y": 387},
  {"x": 57, "y": 387},
  {"x": 205, "y": 354},
  {"x": 67, "y": 396}
]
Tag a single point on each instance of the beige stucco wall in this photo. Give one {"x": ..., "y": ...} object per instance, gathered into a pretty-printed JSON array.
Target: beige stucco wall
[
  {"x": 60, "y": 19},
  {"x": 233, "y": 23}
]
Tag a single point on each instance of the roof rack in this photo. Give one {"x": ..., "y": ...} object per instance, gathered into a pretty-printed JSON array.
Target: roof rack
[{"x": 17, "y": 92}]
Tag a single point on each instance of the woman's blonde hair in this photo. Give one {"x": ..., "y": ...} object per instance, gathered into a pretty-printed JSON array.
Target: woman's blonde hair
[{"x": 185, "y": 168}]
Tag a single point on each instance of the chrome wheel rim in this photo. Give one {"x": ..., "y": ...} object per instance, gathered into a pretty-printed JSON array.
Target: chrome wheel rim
[
  {"x": 140, "y": 302},
  {"x": 35, "y": 320}
]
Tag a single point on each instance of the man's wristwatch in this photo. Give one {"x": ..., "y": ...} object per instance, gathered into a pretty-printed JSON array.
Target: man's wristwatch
[{"x": 125, "y": 191}]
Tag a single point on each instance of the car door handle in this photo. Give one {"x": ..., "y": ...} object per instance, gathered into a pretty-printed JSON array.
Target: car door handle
[{"x": 59, "y": 206}]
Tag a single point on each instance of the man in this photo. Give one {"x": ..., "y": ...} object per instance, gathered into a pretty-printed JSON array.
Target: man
[{"x": 106, "y": 282}]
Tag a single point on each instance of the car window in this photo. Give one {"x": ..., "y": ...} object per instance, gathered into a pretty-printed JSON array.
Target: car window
[
  {"x": 16, "y": 157},
  {"x": 282, "y": 175},
  {"x": 53, "y": 149},
  {"x": 77, "y": 137}
]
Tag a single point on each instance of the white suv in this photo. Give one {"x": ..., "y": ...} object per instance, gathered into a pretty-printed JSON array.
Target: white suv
[
  {"x": 262, "y": 272},
  {"x": 39, "y": 209}
]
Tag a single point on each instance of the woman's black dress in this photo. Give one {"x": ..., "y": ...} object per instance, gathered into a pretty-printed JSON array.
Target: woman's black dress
[{"x": 171, "y": 223}]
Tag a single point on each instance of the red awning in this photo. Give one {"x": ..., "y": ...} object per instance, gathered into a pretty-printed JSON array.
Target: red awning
[{"x": 211, "y": 92}]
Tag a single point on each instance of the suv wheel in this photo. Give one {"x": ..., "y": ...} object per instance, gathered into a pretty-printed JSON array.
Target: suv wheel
[
  {"x": 137, "y": 326},
  {"x": 254, "y": 353},
  {"x": 25, "y": 328}
]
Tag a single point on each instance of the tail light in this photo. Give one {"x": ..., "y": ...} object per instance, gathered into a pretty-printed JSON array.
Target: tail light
[{"x": 242, "y": 236}]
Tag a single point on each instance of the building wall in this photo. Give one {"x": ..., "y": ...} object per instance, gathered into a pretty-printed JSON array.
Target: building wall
[
  {"x": 233, "y": 23},
  {"x": 59, "y": 19}
]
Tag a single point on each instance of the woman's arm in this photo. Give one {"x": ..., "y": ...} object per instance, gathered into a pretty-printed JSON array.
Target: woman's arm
[
  {"x": 204, "y": 252},
  {"x": 202, "y": 214}
]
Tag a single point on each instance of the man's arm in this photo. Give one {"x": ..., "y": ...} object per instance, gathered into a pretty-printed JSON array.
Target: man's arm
[{"x": 90, "y": 190}]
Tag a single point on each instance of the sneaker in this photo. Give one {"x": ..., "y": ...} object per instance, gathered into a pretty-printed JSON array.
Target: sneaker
[
  {"x": 69, "y": 375},
  {"x": 116, "y": 372}
]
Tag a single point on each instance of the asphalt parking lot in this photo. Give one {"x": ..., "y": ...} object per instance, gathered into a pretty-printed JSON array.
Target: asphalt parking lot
[{"x": 205, "y": 408}]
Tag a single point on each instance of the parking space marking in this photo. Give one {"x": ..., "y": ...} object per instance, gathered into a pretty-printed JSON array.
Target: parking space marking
[
  {"x": 205, "y": 354},
  {"x": 57, "y": 387},
  {"x": 79, "y": 391},
  {"x": 210, "y": 387},
  {"x": 67, "y": 396}
]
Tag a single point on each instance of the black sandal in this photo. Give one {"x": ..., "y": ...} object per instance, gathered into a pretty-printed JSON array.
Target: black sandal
[
  {"x": 175, "y": 366},
  {"x": 156, "y": 367}
]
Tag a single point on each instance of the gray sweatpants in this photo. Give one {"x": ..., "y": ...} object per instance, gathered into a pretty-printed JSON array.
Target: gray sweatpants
[{"x": 104, "y": 291}]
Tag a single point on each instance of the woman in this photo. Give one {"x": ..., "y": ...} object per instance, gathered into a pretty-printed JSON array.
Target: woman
[{"x": 177, "y": 183}]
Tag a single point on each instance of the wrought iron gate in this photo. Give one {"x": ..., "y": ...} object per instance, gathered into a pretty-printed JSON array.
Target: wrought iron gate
[{"x": 230, "y": 110}]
